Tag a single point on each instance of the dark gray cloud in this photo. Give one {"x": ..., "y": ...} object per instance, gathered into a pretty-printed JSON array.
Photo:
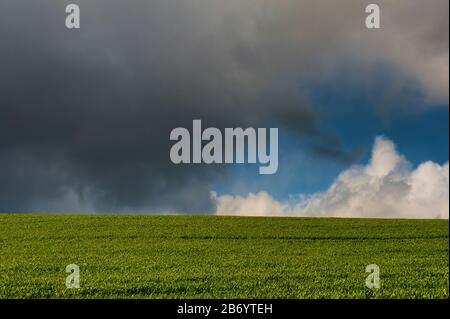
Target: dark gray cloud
[{"x": 85, "y": 115}]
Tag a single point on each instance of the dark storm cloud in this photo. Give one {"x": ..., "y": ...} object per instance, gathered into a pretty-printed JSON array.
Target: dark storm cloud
[{"x": 85, "y": 115}]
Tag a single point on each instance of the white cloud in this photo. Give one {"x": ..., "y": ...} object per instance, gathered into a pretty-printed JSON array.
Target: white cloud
[
  {"x": 387, "y": 187},
  {"x": 260, "y": 204}
]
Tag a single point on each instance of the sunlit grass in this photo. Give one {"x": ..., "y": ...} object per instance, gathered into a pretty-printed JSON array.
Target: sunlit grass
[{"x": 131, "y": 256}]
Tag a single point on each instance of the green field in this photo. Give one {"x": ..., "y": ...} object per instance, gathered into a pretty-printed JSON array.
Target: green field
[{"x": 131, "y": 256}]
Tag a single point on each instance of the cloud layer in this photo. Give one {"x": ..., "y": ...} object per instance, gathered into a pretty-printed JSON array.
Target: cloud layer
[
  {"x": 387, "y": 187},
  {"x": 85, "y": 115}
]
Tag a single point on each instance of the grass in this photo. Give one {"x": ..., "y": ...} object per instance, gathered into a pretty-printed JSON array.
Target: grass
[{"x": 130, "y": 256}]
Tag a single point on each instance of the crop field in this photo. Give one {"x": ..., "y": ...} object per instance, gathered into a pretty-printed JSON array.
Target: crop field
[{"x": 134, "y": 256}]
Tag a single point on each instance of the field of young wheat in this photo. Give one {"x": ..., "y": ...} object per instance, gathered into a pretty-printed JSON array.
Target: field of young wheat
[{"x": 136, "y": 256}]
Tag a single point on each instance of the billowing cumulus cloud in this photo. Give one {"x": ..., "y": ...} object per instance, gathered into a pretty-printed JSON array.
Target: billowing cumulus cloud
[
  {"x": 85, "y": 115},
  {"x": 387, "y": 187}
]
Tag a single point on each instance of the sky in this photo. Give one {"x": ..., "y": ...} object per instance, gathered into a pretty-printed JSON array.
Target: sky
[{"x": 86, "y": 114}]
